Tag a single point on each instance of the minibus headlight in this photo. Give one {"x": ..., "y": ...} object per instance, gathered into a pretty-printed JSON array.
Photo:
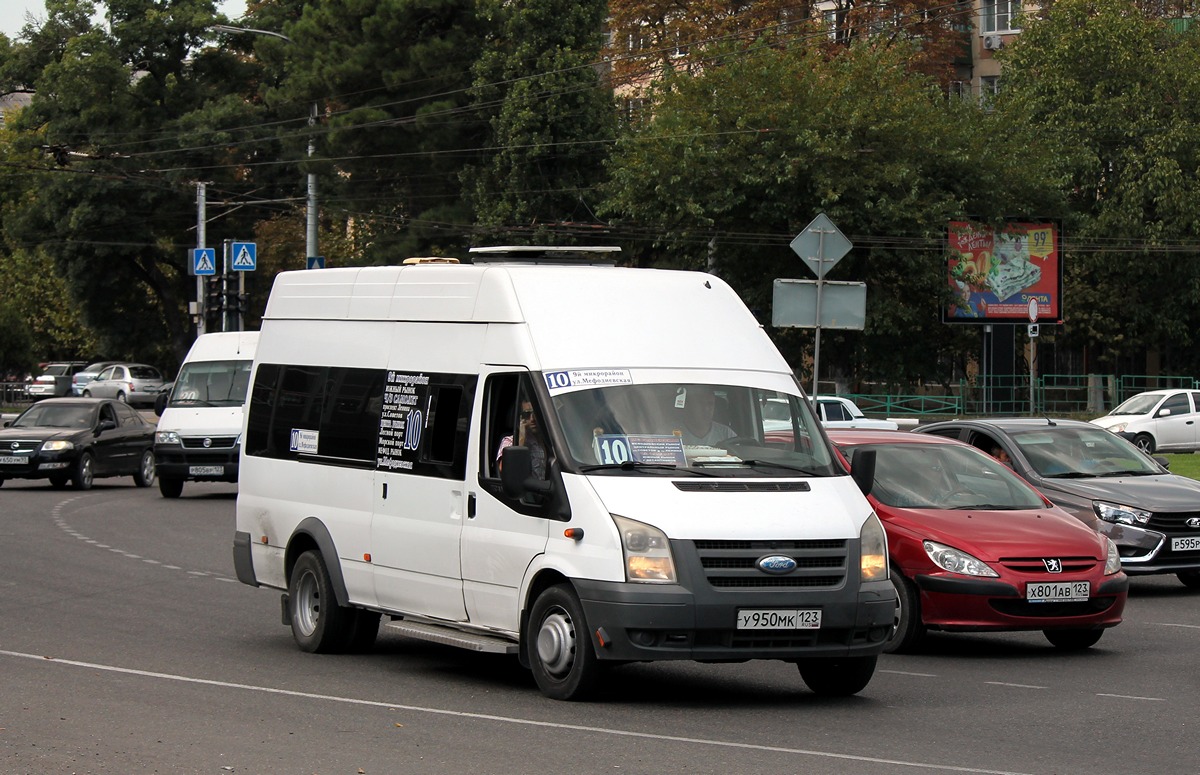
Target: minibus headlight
[
  {"x": 647, "y": 552},
  {"x": 166, "y": 437},
  {"x": 873, "y": 563}
]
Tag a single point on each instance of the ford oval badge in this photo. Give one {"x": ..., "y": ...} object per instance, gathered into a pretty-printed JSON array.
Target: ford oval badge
[{"x": 776, "y": 563}]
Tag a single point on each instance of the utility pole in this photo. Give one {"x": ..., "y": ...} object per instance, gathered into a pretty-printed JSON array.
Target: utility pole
[{"x": 201, "y": 238}]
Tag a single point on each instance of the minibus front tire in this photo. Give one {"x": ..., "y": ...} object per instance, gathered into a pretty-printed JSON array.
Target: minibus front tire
[
  {"x": 319, "y": 624},
  {"x": 837, "y": 676},
  {"x": 558, "y": 646}
]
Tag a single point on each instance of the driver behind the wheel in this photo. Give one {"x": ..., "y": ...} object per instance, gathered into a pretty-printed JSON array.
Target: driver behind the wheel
[{"x": 696, "y": 405}]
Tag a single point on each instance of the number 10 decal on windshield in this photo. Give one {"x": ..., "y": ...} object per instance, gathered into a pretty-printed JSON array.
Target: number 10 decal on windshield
[{"x": 617, "y": 448}]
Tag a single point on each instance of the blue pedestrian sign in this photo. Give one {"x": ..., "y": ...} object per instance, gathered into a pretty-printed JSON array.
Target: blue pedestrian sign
[
  {"x": 245, "y": 256},
  {"x": 316, "y": 262},
  {"x": 204, "y": 261}
]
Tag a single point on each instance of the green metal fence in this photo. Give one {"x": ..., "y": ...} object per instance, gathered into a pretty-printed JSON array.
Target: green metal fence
[{"x": 1009, "y": 394}]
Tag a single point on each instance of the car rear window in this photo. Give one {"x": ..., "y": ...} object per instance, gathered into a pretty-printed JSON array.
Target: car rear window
[{"x": 144, "y": 372}]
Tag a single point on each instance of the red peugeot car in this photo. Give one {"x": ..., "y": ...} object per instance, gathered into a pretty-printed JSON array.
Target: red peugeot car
[{"x": 974, "y": 548}]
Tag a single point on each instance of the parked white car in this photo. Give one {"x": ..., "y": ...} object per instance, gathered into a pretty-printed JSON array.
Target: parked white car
[
  {"x": 840, "y": 412},
  {"x": 1158, "y": 420}
]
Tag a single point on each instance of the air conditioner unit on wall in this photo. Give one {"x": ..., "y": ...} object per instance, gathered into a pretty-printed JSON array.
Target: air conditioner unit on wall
[{"x": 993, "y": 42}]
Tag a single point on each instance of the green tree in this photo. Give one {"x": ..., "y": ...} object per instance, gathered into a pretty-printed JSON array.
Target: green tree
[
  {"x": 1115, "y": 91},
  {"x": 736, "y": 161},
  {"x": 124, "y": 118},
  {"x": 391, "y": 80},
  {"x": 551, "y": 120}
]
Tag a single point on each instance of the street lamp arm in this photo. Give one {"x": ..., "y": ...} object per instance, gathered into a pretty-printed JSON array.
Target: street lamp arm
[{"x": 230, "y": 28}]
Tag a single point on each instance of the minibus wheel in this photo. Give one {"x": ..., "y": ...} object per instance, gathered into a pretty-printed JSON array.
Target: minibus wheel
[
  {"x": 909, "y": 632},
  {"x": 558, "y": 646},
  {"x": 319, "y": 624},
  {"x": 837, "y": 676}
]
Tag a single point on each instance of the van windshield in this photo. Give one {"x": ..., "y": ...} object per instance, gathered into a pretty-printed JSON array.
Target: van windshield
[
  {"x": 211, "y": 383},
  {"x": 742, "y": 431}
]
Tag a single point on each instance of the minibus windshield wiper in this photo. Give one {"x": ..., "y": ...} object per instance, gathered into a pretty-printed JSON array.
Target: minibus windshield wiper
[
  {"x": 761, "y": 464},
  {"x": 635, "y": 465}
]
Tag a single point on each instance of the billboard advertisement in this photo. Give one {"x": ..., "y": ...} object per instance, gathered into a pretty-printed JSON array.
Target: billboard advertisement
[{"x": 997, "y": 275}]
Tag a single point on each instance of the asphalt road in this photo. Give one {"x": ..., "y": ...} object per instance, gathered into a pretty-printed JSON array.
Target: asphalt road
[{"x": 127, "y": 646}]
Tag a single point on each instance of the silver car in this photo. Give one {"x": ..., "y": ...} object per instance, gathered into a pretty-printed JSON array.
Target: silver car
[{"x": 133, "y": 383}]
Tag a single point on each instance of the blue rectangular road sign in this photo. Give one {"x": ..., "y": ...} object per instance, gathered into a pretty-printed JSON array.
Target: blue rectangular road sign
[
  {"x": 204, "y": 261},
  {"x": 245, "y": 256},
  {"x": 316, "y": 262}
]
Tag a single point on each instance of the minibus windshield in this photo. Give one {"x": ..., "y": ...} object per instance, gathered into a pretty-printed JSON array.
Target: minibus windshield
[
  {"x": 211, "y": 383},
  {"x": 648, "y": 429}
]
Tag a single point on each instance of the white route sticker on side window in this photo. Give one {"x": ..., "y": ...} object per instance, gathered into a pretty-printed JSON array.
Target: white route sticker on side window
[
  {"x": 577, "y": 378},
  {"x": 304, "y": 441}
]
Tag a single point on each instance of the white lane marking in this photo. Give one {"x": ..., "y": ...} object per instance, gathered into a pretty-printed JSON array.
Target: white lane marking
[
  {"x": 905, "y": 672},
  {"x": 511, "y": 719},
  {"x": 63, "y": 525},
  {"x": 1131, "y": 697},
  {"x": 1014, "y": 686},
  {"x": 1172, "y": 624}
]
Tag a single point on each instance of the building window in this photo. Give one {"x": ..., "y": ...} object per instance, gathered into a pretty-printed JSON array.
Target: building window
[
  {"x": 1000, "y": 15},
  {"x": 989, "y": 87},
  {"x": 959, "y": 91}
]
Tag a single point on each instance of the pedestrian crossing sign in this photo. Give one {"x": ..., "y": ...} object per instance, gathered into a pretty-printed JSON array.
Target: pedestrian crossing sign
[
  {"x": 245, "y": 256},
  {"x": 204, "y": 261}
]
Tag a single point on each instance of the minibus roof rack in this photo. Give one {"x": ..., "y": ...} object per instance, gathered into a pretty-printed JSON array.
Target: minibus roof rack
[{"x": 579, "y": 255}]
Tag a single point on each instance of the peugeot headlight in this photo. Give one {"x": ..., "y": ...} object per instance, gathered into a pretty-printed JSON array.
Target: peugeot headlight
[
  {"x": 1112, "y": 563},
  {"x": 647, "y": 552},
  {"x": 873, "y": 558},
  {"x": 59, "y": 445},
  {"x": 166, "y": 437},
  {"x": 957, "y": 561},
  {"x": 1122, "y": 515}
]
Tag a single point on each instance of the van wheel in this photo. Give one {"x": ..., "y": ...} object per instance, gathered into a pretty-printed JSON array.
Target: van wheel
[
  {"x": 170, "y": 488},
  {"x": 83, "y": 475},
  {"x": 837, "y": 676},
  {"x": 558, "y": 647},
  {"x": 1144, "y": 442},
  {"x": 910, "y": 630},
  {"x": 319, "y": 624},
  {"x": 1073, "y": 640},
  {"x": 144, "y": 476}
]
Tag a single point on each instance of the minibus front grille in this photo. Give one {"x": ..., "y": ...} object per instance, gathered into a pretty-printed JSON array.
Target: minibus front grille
[
  {"x": 820, "y": 564},
  {"x": 214, "y": 442}
]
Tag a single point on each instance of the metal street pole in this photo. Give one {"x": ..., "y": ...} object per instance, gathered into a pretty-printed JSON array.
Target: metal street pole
[
  {"x": 201, "y": 239},
  {"x": 311, "y": 200}
]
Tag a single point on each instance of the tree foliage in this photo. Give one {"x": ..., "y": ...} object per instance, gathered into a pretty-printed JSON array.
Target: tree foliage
[
  {"x": 551, "y": 123},
  {"x": 739, "y": 159},
  {"x": 1115, "y": 91}
]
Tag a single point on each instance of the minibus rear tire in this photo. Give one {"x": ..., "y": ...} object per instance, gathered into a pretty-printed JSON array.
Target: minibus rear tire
[
  {"x": 559, "y": 647},
  {"x": 319, "y": 624}
]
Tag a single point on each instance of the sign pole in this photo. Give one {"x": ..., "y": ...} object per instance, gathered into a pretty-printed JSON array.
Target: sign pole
[
  {"x": 817, "y": 338},
  {"x": 1033, "y": 332}
]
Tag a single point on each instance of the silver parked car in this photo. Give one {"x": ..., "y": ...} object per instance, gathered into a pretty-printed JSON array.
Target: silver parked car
[
  {"x": 133, "y": 383},
  {"x": 83, "y": 378}
]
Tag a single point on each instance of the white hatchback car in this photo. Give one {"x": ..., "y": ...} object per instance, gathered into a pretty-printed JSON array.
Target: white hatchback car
[{"x": 1158, "y": 420}]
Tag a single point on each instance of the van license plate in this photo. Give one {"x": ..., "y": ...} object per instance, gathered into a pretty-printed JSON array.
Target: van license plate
[
  {"x": 1185, "y": 544},
  {"x": 777, "y": 619},
  {"x": 1058, "y": 591},
  {"x": 13, "y": 461},
  {"x": 206, "y": 470}
]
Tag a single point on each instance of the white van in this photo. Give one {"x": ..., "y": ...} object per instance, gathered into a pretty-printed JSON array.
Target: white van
[
  {"x": 200, "y": 423},
  {"x": 567, "y": 463}
]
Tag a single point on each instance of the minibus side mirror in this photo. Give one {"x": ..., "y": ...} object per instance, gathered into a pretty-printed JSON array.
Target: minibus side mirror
[
  {"x": 516, "y": 473},
  {"x": 160, "y": 403},
  {"x": 863, "y": 471}
]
